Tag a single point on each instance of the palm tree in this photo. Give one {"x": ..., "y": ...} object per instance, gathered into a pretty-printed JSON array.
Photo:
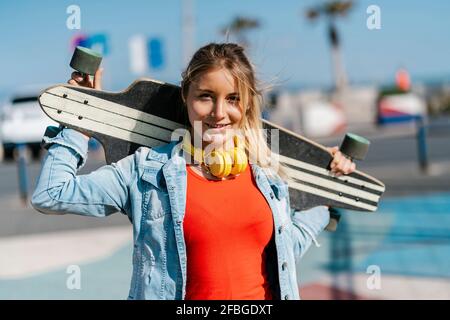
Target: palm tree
[
  {"x": 239, "y": 26},
  {"x": 331, "y": 10}
]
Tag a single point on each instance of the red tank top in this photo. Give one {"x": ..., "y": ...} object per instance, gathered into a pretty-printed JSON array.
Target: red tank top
[{"x": 227, "y": 226}]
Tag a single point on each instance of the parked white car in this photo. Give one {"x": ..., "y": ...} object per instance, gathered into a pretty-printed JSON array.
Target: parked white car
[{"x": 23, "y": 122}]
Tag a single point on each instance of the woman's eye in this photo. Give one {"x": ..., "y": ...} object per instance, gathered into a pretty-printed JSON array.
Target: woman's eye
[
  {"x": 233, "y": 99},
  {"x": 205, "y": 96}
]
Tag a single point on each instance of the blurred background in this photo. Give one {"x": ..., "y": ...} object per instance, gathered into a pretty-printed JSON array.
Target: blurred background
[{"x": 379, "y": 68}]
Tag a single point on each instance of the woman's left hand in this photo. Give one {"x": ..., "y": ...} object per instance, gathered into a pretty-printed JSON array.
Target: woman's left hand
[{"x": 340, "y": 164}]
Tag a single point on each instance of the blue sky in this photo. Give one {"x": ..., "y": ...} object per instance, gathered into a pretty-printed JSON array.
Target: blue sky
[{"x": 287, "y": 50}]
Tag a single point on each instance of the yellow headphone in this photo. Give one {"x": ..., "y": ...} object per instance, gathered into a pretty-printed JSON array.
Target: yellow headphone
[{"x": 219, "y": 163}]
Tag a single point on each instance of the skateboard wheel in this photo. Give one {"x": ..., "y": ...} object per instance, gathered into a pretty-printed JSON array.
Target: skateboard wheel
[
  {"x": 355, "y": 146},
  {"x": 85, "y": 60}
]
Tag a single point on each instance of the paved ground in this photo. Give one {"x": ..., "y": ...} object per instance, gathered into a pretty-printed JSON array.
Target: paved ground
[{"x": 407, "y": 242}]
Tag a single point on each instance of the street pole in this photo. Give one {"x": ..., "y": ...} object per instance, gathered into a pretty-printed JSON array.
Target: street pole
[
  {"x": 422, "y": 150},
  {"x": 22, "y": 160},
  {"x": 187, "y": 31}
]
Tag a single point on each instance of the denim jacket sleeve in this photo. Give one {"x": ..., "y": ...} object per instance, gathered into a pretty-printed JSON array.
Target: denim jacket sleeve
[
  {"x": 60, "y": 190},
  {"x": 307, "y": 225}
]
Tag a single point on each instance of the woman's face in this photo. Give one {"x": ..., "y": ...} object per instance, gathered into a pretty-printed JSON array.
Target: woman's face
[{"x": 213, "y": 106}]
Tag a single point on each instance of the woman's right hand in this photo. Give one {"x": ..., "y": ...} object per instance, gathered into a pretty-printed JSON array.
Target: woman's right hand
[{"x": 77, "y": 79}]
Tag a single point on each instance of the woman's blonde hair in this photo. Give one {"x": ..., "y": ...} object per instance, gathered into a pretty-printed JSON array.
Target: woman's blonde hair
[{"x": 231, "y": 57}]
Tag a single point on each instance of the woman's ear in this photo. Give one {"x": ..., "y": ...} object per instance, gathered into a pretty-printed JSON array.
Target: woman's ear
[{"x": 183, "y": 95}]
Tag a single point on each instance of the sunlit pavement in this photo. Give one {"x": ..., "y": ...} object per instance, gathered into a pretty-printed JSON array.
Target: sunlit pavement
[{"x": 106, "y": 276}]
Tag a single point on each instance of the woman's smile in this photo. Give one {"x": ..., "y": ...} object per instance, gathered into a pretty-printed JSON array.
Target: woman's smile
[{"x": 218, "y": 127}]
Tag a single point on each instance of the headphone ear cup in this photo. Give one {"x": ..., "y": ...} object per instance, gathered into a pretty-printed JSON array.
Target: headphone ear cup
[
  {"x": 240, "y": 161},
  {"x": 219, "y": 163},
  {"x": 214, "y": 163},
  {"x": 228, "y": 159}
]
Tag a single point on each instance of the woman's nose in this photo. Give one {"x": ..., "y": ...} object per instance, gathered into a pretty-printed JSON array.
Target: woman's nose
[{"x": 219, "y": 109}]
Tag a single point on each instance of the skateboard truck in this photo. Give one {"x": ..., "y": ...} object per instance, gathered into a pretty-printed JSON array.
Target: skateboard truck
[
  {"x": 353, "y": 147},
  {"x": 85, "y": 60}
]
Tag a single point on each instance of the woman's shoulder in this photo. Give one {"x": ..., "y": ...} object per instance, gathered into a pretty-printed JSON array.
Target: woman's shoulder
[
  {"x": 276, "y": 182},
  {"x": 162, "y": 153}
]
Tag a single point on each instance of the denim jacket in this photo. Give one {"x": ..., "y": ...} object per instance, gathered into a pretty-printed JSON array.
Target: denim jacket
[{"x": 149, "y": 186}]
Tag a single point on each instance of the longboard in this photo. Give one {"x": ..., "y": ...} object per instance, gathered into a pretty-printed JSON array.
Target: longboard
[{"x": 148, "y": 111}]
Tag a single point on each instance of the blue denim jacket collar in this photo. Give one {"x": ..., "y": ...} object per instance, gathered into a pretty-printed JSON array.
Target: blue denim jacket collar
[
  {"x": 279, "y": 187},
  {"x": 153, "y": 163}
]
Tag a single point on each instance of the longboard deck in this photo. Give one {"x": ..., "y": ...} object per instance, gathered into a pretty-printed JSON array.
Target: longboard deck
[{"x": 148, "y": 111}]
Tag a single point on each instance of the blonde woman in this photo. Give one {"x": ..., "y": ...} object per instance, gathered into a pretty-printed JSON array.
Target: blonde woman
[{"x": 205, "y": 225}]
